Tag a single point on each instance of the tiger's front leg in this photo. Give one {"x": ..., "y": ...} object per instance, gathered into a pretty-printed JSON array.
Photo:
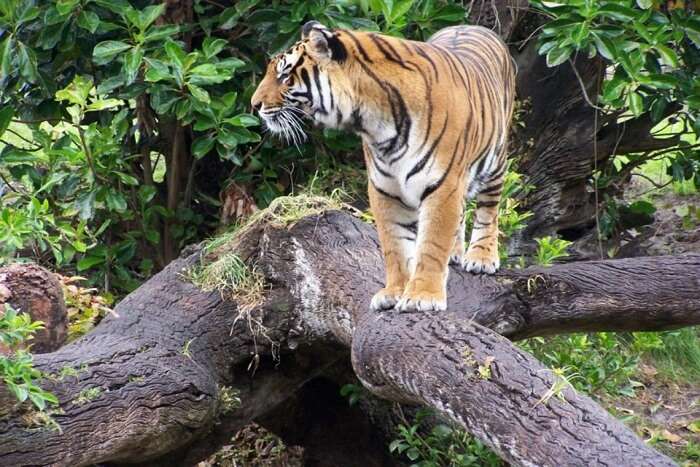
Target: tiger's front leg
[
  {"x": 396, "y": 226},
  {"x": 440, "y": 215}
]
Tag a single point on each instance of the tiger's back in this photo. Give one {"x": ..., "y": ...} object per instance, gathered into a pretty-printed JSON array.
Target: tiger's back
[{"x": 433, "y": 118}]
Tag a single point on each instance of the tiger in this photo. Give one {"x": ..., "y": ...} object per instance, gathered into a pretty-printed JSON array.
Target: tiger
[{"x": 433, "y": 118}]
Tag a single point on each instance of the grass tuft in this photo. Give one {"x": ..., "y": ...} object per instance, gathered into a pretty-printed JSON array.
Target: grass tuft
[{"x": 678, "y": 359}]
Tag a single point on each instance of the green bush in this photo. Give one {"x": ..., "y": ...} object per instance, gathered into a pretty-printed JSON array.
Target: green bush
[
  {"x": 16, "y": 370},
  {"x": 440, "y": 446},
  {"x": 121, "y": 121}
]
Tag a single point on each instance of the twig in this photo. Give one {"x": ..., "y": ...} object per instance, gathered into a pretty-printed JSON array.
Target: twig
[
  {"x": 583, "y": 89},
  {"x": 30, "y": 142}
]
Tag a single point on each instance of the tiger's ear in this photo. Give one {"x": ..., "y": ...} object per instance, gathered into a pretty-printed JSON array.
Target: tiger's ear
[{"x": 323, "y": 43}]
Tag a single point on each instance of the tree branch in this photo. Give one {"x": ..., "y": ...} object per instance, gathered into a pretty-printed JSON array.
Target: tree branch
[{"x": 151, "y": 384}]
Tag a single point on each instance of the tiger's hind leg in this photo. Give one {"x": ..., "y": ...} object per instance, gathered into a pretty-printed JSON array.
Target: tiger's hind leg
[
  {"x": 482, "y": 255},
  {"x": 457, "y": 255}
]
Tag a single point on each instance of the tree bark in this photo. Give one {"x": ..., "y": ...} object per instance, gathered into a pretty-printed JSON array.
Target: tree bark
[
  {"x": 31, "y": 289},
  {"x": 157, "y": 382}
]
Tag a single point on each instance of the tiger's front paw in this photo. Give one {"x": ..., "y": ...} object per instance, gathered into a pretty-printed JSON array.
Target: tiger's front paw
[
  {"x": 481, "y": 261},
  {"x": 385, "y": 299},
  {"x": 422, "y": 302}
]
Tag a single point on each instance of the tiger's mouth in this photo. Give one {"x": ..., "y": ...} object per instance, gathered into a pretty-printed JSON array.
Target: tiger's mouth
[{"x": 285, "y": 121}]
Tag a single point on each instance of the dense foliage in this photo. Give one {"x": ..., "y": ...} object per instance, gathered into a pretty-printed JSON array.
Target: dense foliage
[
  {"x": 121, "y": 122},
  {"x": 651, "y": 53}
]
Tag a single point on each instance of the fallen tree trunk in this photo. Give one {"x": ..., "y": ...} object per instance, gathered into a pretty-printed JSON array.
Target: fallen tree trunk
[{"x": 168, "y": 378}]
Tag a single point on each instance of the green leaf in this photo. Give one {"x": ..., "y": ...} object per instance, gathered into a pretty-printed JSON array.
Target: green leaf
[
  {"x": 77, "y": 91},
  {"x": 85, "y": 204},
  {"x": 558, "y": 55},
  {"x": 127, "y": 179},
  {"x": 27, "y": 63},
  {"x": 66, "y": 6},
  {"x": 692, "y": 29},
  {"x": 89, "y": 262},
  {"x": 203, "y": 123},
  {"x": 642, "y": 207},
  {"x": 105, "y": 51},
  {"x": 132, "y": 63},
  {"x": 635, "y": 103},
  {"x": 102, "y": 104},
  {"x": 89, "y": 20},
  {"x": 212, "y": 46},
  {"x": 152, "y": 236},
  {"x": 243, "y": 120},
  {"x": 618, "y": 12},
  {"x": 413, "y": 453},
  {"x": 79, "y": 246},
  {"x": 157, "y": 71},
  {"x": 659, "y": 81},
  {"x": 6, "y": 57},
  {"x": 605, "y": 46},
  {"x": 158, "y": 33},
  {"x": 657, "y": 109},
  {"x": 201, "y": 146},
  {"x": 115, "y": 201},
  {"x": 645, "y": 4},
  {"x": 146, "y": 193},
  {"x": 668, "y": 56},
  {"x": 150, "y": 14},
  {"x": 199, "y": 93},
  {"x": 6, "y": 114},
  {"x": 175, "y": 53}
]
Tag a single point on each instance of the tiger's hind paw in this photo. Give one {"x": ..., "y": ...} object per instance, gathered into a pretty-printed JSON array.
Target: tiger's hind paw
[{"x": 478, "y": 263}]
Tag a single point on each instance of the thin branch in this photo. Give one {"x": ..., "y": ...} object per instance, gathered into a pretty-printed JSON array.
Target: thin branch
[
  {"x": 30, "y": 142},
  {"x": 583, "y": 88}
]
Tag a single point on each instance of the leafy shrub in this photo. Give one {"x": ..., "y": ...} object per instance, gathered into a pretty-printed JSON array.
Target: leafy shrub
[
  {"x": 594, "y": 362},
  {"x": 550, "y": 249},
  {"x": 440, "y": 446},
  {"x": 16, "y": 370}
]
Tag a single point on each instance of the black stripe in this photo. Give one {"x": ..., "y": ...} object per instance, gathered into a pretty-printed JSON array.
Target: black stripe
[
  {"x": 388, "y": 51},
  {"x": 434, "y": 186},
  {"x": 494, "y": 190},
  {"x": 338, "y": 51},
  {"x": 359, "y": 47},
  {"x": 486, "y": 204},
  {"x": 379, "y": 169},
  {"x": 410, "y": 226},
  {"x": 421, "y": 163},
  {"x": 330, "y": 89},
  {"x": 389, "y": 195},
  {"x": 307, "y": 82},
  {"x": 317, "y": 82},
  {"x": 422, "y": 53}
]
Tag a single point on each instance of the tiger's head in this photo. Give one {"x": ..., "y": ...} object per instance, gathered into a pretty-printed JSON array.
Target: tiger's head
[{"x": 308, "y": 81}]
